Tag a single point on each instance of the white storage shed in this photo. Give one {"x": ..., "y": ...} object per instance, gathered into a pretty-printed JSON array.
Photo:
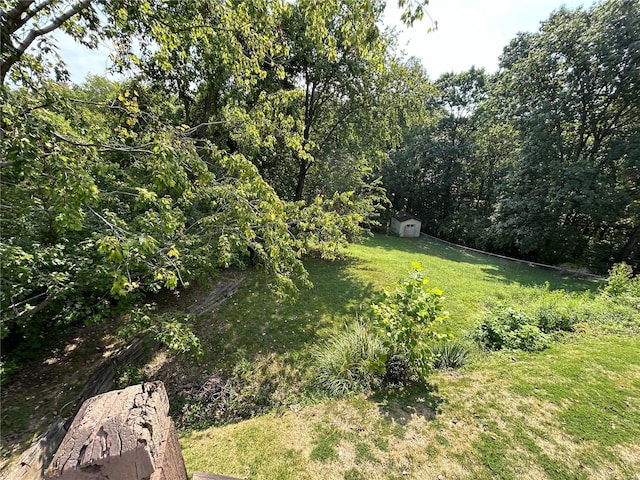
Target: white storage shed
[{"x": 405, "y": 225}]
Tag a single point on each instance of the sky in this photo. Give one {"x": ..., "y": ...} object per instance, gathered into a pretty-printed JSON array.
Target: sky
[{"x": 470, "y": 33}]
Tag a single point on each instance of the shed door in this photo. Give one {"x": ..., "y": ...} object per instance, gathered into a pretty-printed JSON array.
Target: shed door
[{"x": 410, "y": 230}]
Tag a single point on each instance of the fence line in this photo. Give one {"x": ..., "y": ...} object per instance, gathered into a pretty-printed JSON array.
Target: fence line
[{"x": 569, "y": 271}]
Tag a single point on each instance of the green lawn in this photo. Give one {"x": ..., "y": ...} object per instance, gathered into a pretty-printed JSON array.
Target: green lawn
[
  {"x": 254, "y": 323},
  {"x": 572, "y": 411}
]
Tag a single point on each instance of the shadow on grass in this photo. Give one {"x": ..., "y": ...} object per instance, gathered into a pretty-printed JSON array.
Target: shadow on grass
[
  {"x": 404, "y": 404},
  {"x": 254, "y": 323},
  {"x": 270, "y": 340}
]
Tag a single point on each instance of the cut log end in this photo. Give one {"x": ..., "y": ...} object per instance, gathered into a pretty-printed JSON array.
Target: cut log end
[{"x": 124, "y": 434}]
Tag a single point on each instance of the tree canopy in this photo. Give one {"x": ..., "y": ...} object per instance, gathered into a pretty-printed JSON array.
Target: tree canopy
[
  {"x": 112, "y": 189},
  {"x": 539, "y": 160}
]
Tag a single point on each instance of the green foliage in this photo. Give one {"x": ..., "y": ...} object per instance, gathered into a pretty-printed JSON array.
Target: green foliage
[
  {"x": 531, "y": 322},
  {"x": 449, "y": 355},
  {"x": 130, "y": 375},
  {"x": 510, "y": 329},
  {"x": 620, "y": 280},
  {"x": 530, "y": 162},
  {"x": 171, "y": 330},
  {"x": 409, "y": 318},
  {"x": 116, "y": 189},
  {"x": 569, "y": 196},
  {"x": 622, "y": 286},
  {"x": 351, "y": 362}
]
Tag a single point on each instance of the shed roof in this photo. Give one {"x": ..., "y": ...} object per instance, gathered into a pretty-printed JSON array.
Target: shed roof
[{"x": 404, "y": 216}]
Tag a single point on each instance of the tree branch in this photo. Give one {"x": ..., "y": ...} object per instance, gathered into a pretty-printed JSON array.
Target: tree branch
[
  {"x": 101, "y": 147},
  {"x": 15, "y": 25},
  {"x": 17, "y": 53}
]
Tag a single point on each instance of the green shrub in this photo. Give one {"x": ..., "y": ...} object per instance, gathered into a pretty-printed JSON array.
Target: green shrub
[
  {"x": 398, "y": 371},
  {"x": 622, "y": 286},
  {"x": 511, "y": 329},
  {"x": 449, "y": 355},
  {"x": 620, "y": 276},
  {"x": 556, "y": 311},
  {"x": 351, "y": 362},
  {"x": 409, "y": 318}
]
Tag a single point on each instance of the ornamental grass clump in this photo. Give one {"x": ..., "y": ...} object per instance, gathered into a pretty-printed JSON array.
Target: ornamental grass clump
[
  {"x": 351, "y": 362},
  {"x": 449, "y": 355}
]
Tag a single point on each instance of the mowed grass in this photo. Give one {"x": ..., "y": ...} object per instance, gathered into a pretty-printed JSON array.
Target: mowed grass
[
  {"x": 254, "y": 322},
  {"x": 572, "y": 411}
]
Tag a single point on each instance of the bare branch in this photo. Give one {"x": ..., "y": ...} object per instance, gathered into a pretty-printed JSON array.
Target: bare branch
[{"x": 32, "y": 311}]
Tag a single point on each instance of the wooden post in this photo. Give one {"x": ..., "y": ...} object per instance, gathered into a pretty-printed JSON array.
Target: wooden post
[{"x": 121, "y": 435}]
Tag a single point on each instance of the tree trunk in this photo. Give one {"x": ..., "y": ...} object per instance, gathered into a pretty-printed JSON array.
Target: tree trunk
[
  {"x": 631, "y": 243},
  {"x": 302, "y": 176}
]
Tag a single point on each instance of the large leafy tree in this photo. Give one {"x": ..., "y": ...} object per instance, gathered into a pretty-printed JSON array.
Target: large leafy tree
[
  {"x": 571, "y": 91},
  {"x": 115, "y": 188},
  {"x": 338, "y": 108}
]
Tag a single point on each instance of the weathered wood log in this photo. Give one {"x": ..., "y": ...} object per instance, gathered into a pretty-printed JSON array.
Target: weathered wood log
[
  {"x": 33, "y": 462},
  {"x": 125, "y": 434},
  {"x": 222, "y": 291}
]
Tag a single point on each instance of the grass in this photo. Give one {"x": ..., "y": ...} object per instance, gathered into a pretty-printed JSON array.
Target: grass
[
  {"x": 572, "y": 411},
  {"x": 254, "y": 322},
  {"x": 536, "y": 417}
]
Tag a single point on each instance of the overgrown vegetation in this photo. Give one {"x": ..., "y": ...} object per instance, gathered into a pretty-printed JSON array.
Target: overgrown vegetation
[
  {"x": 225, "y": 146},
  {"x": 393, "y": 344},
  {"x": 524, "y": 414},
  {"x": 544, "y": 314},
  {"x": 252, "y": 383},
  {"x": 254, "y": 134},
  {"x": 246, "y": 391}
]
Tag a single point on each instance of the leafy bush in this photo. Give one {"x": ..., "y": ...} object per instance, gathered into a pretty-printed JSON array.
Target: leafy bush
[
  {"x": 534, "y": 319},
  {"x": 511, "y": 329},
  {"x": 351, "y": 362},
  {"x": 620, "y": 276},
  {"x": 409, "y": 317},
  {"x": 622, "y": 286},
  {"x": 449, "y": 355},
  {"x": 556, "y": 311},
  {"x": 398, "y": 370}
]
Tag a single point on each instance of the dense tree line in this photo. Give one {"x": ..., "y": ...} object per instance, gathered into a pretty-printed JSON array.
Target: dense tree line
[{"x": 541, "y": 159}]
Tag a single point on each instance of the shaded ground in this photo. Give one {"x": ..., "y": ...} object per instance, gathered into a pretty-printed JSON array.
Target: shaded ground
[{"x": 51, "y": 386}]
